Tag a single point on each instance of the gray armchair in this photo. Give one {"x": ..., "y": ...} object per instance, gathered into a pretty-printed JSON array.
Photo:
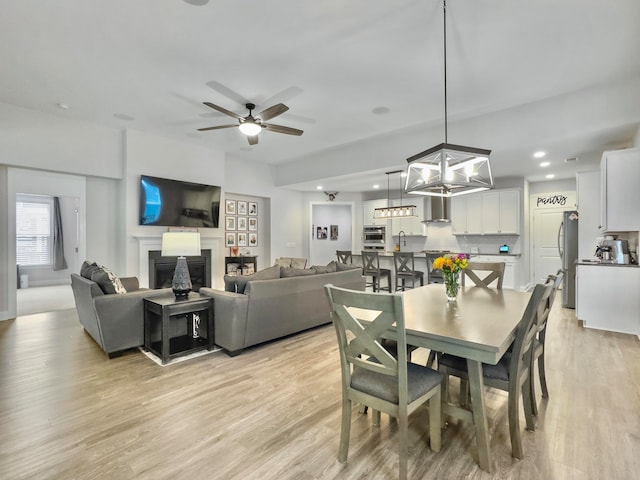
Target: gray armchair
[{"x": 114, "y": 321}]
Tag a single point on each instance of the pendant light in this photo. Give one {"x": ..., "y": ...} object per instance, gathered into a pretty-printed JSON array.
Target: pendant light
[
  {"x": 447, "y": 170},
  {"x": 401, "y": 211}
]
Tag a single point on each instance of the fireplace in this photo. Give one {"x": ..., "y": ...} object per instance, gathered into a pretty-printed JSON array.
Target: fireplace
[{"x": 161, "y": 270}]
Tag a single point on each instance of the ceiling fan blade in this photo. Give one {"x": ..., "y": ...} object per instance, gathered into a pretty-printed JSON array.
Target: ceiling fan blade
[
  {"x": 223, "y": 110},
  {"x": 272, "y": 112},
  {"x": 281, "y": 129},
  {"x": 253, "y": 139},
  {"x": 216, "y": 128}
]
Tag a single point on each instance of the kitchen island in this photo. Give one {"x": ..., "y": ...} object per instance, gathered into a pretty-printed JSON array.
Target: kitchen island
[{"x": 607, "y": 296}]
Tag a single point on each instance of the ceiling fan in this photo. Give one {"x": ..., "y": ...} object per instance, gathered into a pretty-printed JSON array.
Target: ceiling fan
[{"x": 251, "y": 126}]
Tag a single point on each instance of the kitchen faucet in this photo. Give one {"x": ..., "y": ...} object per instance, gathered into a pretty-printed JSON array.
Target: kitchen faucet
[{"x": 402, "y": 234}]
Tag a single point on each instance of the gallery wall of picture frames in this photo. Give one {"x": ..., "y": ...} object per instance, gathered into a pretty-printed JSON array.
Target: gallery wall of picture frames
[{"x": 241, "y": 223}]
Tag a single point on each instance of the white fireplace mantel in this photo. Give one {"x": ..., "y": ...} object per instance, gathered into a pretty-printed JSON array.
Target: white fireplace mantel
[{"x": 148, "y": 243}]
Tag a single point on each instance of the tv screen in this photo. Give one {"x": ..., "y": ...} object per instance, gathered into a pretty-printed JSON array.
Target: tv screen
[{"x": 174, "y": 203}]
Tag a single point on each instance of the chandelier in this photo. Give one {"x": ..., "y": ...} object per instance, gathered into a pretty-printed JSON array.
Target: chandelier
[
  {"x": 400, "y": 211},
  {"x": 447, "y": 170}
]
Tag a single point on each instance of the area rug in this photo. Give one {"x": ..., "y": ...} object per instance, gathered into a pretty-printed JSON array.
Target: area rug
[{"x": 199, "y": 353}]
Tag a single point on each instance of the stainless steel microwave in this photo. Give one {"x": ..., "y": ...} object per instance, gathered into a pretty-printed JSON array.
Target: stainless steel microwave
[{"x": 374, "y": 235}]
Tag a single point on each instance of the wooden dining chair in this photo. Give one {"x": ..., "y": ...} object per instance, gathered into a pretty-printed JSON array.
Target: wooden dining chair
[
  {"x": 495, "y": 272},
  {"x": 371, "y": 268},
  {"x": 371, "y": 375},
  {"x": 344, "y": 256},
  {"x": 405, "y": 271},
  {"x": 539, "y": 343},
  {"x": 511, "y": 373}
]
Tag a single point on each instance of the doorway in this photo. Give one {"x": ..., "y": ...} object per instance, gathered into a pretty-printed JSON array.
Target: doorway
[
  {"x": 331, "y": 230},
  {"x": 546, "y": 256}
]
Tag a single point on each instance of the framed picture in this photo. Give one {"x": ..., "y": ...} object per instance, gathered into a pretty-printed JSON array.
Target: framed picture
[
  {"x": 230, "y": 207},
  {"x": 230, "y": 223},
  {"x": 253, "y": 224},
  {"x": 333, "y": 232},
  {"x": 321, "y": 233},
  {"x": 230, "y": 239},
  {"x": 242, "y": 223},
  {"x": 253, "y": 208},
  {"x": 242, "y": 207},
  {"x": 253, "y": 239},
  {"x": 242, "y": 239}
]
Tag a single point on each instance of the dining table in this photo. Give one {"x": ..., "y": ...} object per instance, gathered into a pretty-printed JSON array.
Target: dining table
[{"x": 479, "y": 326}]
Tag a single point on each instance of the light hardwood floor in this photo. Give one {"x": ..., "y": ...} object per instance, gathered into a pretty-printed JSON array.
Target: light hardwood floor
[{"x": 67, "y": 412}]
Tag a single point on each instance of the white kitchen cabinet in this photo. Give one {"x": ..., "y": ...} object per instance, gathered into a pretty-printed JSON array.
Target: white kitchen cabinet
[
  {"x": 488, "y": 213},
  {"x": 619, "y": 192},
  {"x": 588, "y": 197},
  {"x": 466, "y": 215},
  {"x": 368, "y": 209},
  {"x": 410, "y": 225},
  {"x": 501, "y": 212},
  {"x": 606, "y": 297},
  {"x": 510, "y": 263}
]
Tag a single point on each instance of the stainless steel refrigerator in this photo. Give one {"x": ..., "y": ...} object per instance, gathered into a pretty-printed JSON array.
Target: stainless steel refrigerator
[{"x": 568, "y": 249}]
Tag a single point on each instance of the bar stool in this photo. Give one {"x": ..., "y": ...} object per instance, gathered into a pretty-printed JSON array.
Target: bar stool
[
  {"x": 344, "y": 256},
  {"x": 371, "y": 268},
  {"x": 404, "y": 265}
]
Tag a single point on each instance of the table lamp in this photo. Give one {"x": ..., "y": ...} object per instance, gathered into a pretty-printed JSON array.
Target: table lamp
[{"x": 181, "y": 245}]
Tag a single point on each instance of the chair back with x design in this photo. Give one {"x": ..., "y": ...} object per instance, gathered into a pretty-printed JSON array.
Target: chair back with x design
[{"x": 495, "y": 272}]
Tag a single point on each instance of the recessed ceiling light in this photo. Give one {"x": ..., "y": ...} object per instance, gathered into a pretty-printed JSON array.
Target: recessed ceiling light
[
  {"x": 539, "y": 154},
  {"x": 62, "y": 106},
  {"x": 319, "y": 187},
  {"x": 545, "y": 164},
  {"x": 551, "y": 175},
  {"x": 197, "y": 3},
  {"x": 376, "y": 186},
  {"x": 381, "y": 110}
]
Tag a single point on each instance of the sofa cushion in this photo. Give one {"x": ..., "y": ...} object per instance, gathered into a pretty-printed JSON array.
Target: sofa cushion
[
  {"x": 329, "y": 268},
  {"x": 295, "y": 272},
  {"x": 266, "y": 274},
  {"x": 230, "y": 283},
  {"x": 108, "y": 281},
  {"x": 341, "y": 267},
  {"x": 291, "y": 262},
  {"x": 88, "y": 268}
]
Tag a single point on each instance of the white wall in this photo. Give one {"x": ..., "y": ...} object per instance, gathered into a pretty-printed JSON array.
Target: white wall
[
  {"x": 31, "y": 139},
  {"x": 323, "y": 251},
  {"x": 255, "y": 178}
]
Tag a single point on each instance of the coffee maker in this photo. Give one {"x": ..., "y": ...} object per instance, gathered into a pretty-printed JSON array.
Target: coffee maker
[{"x": 616, "y": 250}]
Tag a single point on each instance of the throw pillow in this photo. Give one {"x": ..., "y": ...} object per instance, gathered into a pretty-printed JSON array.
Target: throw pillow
[
  {"x": 298, "y": 262},
  {"x": 230, "y": 283},
  {"x": 295, "y": 272},
  {"x": 320, "y": 268},
  {"x": 108, "y": 281},
  {"x": 266, "y": 274},
  {"x": 282, "y": 262},
  {"x": 341, "y": 267},
  {"x": 87, "y": 269}
]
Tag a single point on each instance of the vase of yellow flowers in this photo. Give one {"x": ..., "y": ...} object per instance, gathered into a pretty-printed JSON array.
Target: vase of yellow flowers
[{"x": 451, "y": 265}]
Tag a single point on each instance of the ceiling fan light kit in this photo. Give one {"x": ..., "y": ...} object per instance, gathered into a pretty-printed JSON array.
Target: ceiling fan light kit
[{"x": 447, "y": 170}]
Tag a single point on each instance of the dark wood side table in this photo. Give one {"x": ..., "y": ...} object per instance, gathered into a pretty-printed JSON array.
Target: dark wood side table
[{"x": 166, "y": 337}]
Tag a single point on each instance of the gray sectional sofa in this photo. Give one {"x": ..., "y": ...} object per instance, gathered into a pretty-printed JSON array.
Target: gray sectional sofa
[
  {"x": 274, "y": 307},
  {"x": 114, "y": 320}
]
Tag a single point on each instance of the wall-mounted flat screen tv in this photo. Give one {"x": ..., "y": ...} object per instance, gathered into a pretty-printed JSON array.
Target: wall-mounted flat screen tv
[{"x": 174, "y": 203}]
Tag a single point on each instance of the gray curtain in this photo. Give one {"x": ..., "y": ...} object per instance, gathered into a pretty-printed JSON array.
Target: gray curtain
[{"x": 59, "y": 262}]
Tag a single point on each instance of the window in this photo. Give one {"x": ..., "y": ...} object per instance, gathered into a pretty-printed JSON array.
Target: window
[{"x": 34, "y": 234}]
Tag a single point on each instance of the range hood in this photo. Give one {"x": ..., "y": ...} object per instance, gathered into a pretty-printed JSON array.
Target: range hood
[{"x": 438, "y": 210}]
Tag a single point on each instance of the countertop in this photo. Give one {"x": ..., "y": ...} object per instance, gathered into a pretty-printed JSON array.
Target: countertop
[{"x": 595, "y": 263}]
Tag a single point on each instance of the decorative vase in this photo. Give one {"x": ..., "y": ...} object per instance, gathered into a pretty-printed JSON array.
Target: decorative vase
[{"x": 451, "y": 284}]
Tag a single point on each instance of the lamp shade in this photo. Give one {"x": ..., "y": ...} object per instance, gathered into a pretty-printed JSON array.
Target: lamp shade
[{"x": 180, "y": 244}]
